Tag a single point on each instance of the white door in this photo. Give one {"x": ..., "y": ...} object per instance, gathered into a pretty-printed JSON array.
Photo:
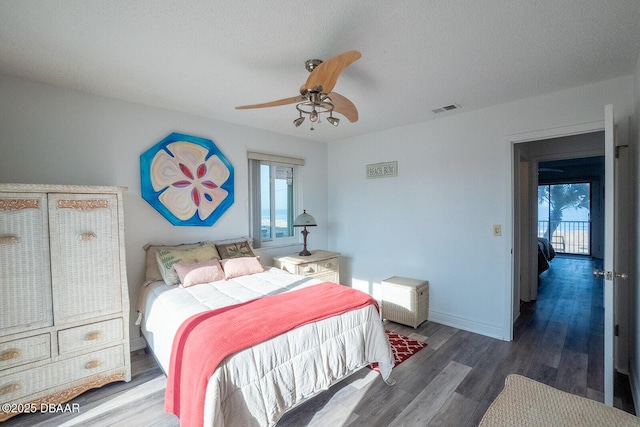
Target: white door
[{"x": 609, "y": 274}]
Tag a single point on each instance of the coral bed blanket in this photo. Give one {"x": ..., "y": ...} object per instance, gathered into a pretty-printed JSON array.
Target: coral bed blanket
[{"x": 206, "y": 339}]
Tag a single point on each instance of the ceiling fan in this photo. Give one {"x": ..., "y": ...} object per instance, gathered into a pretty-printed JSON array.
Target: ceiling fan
[{"x": 316, "y": 96}]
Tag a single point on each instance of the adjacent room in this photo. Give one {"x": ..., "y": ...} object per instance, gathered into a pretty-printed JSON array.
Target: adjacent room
[{"x": 338, "y": 213}]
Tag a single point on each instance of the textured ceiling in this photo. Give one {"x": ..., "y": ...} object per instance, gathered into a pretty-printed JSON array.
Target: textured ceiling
[{"x": 206, "y": 57}]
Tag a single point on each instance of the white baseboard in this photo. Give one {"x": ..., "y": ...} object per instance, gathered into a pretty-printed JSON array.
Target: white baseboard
[{"x": 493, "y": 331}]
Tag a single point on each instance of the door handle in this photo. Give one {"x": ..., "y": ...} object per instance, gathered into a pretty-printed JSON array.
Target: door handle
[{"x": 609, "y": 275}]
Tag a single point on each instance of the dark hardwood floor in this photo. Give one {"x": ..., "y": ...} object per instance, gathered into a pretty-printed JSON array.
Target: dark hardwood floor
[{"x": 558, "y": 341}]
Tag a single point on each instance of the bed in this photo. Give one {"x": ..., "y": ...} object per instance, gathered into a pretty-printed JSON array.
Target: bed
[
  {"x": 545, "y": 254},
  {"x": 257, "y": 385}
]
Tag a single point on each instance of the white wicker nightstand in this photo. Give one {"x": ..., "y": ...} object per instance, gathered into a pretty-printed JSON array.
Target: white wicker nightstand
[
  {"x": 405, "y": 300},
  {"x": 323, "y": 265}
]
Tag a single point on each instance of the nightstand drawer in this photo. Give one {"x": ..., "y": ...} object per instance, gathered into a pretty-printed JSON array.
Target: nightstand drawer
[
  {"x": 323, "y": 265},
  {"x": 327, "y": 276},
  {"x": 307, "y": 269},
  {"x": 288, "y": 267},
  {"x": 330, "y": 264},
  {"x": 92, "y": 335},
  {"x": 25, "y": 350}
]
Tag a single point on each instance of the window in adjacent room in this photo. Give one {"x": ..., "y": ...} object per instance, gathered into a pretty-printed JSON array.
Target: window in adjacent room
[
  {"x": 564, "y": 216},
  {"x": 273, "y": 198}
]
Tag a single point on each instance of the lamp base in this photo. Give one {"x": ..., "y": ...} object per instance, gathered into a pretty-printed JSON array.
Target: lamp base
[{"x": 304, "y": 233}]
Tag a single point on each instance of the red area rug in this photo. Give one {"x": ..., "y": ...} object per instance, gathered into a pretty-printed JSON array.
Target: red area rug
[{"x": 403, "y": 348}]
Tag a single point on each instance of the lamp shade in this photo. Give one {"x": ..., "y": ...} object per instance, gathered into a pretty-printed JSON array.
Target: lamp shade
[{"x": 304, "y": 219}]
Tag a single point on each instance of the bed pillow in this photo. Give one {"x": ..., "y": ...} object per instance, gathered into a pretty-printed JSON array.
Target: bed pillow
[
  {"x": 168, "y": 257},
  {"x": 235, "y": 250},
  {"x": 152, "y": 272},
  {"x": 201, "y": 272},
  {"x": 236, "y": 267}
]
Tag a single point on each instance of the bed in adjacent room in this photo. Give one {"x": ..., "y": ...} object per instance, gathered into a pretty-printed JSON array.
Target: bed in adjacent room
[
  {"x": 545, "y": 254},
  {"x": 258, "y": 384}
]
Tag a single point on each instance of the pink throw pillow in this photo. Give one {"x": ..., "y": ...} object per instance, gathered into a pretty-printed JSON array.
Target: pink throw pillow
[
  {"x": 235, "y": 267},
  {"x": 202, "y": 272}
]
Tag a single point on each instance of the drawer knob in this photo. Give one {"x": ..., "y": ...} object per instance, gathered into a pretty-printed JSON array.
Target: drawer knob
[
  {"x": 9, "y": 239},
  {"x": 10, "y": 354},
  {"x": 10, "y": 388},
  {"x": 85, "y": 237},
  {"x": 92, "y": 336},
  {"x": 92, "y": 364}
]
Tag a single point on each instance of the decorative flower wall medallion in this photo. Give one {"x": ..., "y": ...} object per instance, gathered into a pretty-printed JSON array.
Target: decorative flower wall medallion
[{"x": 187, "y": 179}]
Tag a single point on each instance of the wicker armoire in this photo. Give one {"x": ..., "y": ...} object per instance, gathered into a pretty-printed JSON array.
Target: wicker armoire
[{"x": 64, "y": 302}]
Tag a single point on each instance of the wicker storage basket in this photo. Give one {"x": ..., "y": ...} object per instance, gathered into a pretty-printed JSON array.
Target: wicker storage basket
[{"x": 405, "y": 300}]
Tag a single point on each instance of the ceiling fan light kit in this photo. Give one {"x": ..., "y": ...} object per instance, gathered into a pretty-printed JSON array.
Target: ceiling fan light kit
[
  {"x": 316, "y": 96},
  {"x": 317, "y": 104}
]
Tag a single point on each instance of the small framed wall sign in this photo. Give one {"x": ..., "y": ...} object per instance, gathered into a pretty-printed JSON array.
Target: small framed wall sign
[{"x": 382, "y": 170}]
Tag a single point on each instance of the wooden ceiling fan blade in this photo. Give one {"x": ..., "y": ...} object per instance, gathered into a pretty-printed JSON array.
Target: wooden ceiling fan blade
[
  {"x": 292, "y": 100},
  {"x": 344, "y": 106},
  {"x": 327, "y": 73}
]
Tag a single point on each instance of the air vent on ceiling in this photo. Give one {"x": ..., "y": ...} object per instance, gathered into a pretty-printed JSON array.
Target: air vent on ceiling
[{"x": 446, "y": 108}]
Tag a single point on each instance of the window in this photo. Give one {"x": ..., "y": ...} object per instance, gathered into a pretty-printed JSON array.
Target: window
[
  {"x": 564, "y": 216},
  {"x": 276, "y": 198},
  {"x": 272, "y": 194}
]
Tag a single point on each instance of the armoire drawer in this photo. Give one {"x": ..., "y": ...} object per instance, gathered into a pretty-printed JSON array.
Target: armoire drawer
[
  {"x": 31, "y": 381},
  {"x": 91, "y": 335},
  {"x": 25, "y": 350}
]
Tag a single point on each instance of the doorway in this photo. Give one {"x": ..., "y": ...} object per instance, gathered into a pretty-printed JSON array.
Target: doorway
[
  {"x": 616, "y": 205},
  {"x": 528, "y": 151},
  {"x": 559, "y": 160}
]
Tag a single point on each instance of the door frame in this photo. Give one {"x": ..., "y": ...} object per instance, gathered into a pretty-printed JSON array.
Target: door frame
[{"x": 513, "y": 215}]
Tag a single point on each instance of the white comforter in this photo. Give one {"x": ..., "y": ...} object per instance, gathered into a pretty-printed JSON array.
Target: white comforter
[{"x": 258, "y": 385}]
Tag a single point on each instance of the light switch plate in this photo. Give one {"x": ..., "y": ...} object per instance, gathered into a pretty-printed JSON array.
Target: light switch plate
[{"x": 497, "y": 230}]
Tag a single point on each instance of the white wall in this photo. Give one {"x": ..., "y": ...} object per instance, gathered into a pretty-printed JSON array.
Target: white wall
[
  {"x": 59, "y": 136},
  {"x": 435, "y": 220}
]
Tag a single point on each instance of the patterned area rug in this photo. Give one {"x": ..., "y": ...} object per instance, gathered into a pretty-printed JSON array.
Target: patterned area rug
[{"x": 403, "y": 348}]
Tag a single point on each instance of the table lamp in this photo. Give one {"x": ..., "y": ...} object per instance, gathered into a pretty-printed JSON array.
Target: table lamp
[{"x": 304, "y": 220}]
